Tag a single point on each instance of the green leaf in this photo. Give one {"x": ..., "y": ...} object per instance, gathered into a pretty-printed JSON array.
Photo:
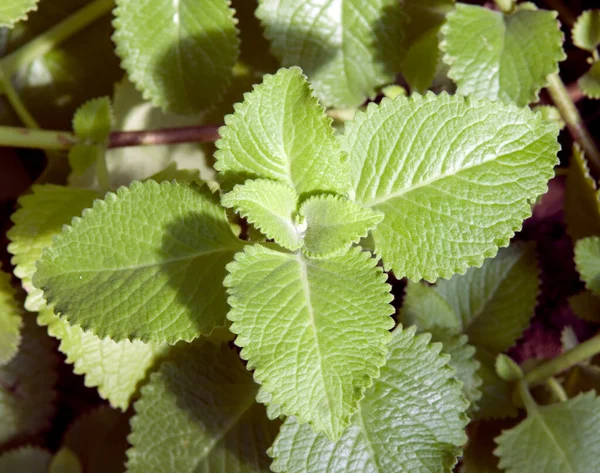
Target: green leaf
[
  {"x": 333, "y": 223},
  {"x": 455, "y": 181},
  {"x": 562, "y": 435},
  {"x": 511, "y": 56},
  {"x": 153, "y": 269},
  {"x": 10, "y": 320},
  {"x": 198, "y": 414},
  {"x": 280, "y": 132},
  {"x": 411, "y": 420},
  {"x": 347, "y": 48},
  {"x": 25, "y": 460},
  {"x": 286, "y": 313},
  {"x": 587, "y": 261},
  {"x": 586, "y": 31},
  {"x": 582, "y": 199},
  {"x": 99, "y": 439},
  {"x": 93, "y": 120},
  {"x": 425, "y": 308},
  {"x": 586, "y": 306},
  {"x": 425, "y": 18},
  {"x": 12, "y": 11},
  {"x": 507, "y": 369},
  {"x": 27, "y": 385},
  {"x": 271, "y": 207},
  {"x": 82, "y": 157},
  {"x": 116, "y": 369},
  {"x": 194, "y": 40},
  {"x": 41, "y": 215},
  {"x": 550, "y": 113},
  {"x": 65, "y": 461},
  {"x": 590, "y": 81},
  {"x": 496, "y": 400}
]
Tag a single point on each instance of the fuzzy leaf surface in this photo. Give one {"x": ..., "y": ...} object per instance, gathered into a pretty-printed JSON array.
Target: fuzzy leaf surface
[
  {"x": 498, "y": 56},
  {"x": 145, "y": 263},
  {"x": 454, "y": 177},
  {"x": 280, "y": 132},
  {"x": 556, "y": 438},
  {"x": 590, "y": 81},
  {"x": 12, "y": 11},
  {"x": 93, "y": 120},
  {"x": 586, "y": 31},
  {"x": 410, "y": 421},
  {"x": 27, "y": 385},
  {"x": 10, "y": 320},
  {"x": 198, "y": 414},
  {"x": 271, "y": 207},
  {"x": 25, "y": 460},
  {"x": 587, "y": 261},
  {"x": 346, "y": 48},
  {"x": 314, "y": 331},
  {"x": 170, "y": 47},
  {"x": 582, "y": 199}
]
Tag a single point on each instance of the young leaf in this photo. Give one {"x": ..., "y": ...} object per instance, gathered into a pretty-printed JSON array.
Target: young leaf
[
  {"x": 410, "y": 421},
  {"x": 116, "y": 368},
  {"x": 280, "y": 132},
  {"x": 99, "y": 439},
  {"x": 507, "y": 369},
  {"x": 587, "y": 261},
  {"x": 582, "y": 199},
  {"x": 455, "y": 181},
  {"x": 169, "y": 48},
  {"x": 590, "y": 82},
  {"x": 496, "y": 400},
  {"x": 10, "y": 320},
  {"x": 586, "y": 31},
  {"x": 25, "y": 460},
  {"x": 93, "y": 120},
  {"x": 27, "y": 385},
  {"x": 286, "y": 312},
  {"x": 554, "y": 439},
  {"x": 147, "y": 263},
  {"x": 333, "y": 223},
  {"x": 512, "y": 56},
  {"x": 198, "y": 413},
  {"x": 346, "y": 48},
  {"x": 12, "y": 11},
  {"x": 65, "y": 461},
  {"x": 586, "y": 306},
  {"x": 271, "y": 207}
]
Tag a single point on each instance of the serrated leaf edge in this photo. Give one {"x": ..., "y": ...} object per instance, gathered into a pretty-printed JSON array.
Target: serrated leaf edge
[{"x": 23, "y": 17}]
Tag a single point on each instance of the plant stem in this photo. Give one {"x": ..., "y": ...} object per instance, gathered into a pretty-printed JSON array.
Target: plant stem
[
  {"x": 48, "y": 40},
  {"x": 164, "y": 136},
  {"x": 526, "y": 397},
  {"x": 39, "y": 139},
  {"x": 16, "y": 102},
  {"x": 557, "y": 389},
  {"x": 564, "y": 361},
  {"x": 574, "y": 122}
]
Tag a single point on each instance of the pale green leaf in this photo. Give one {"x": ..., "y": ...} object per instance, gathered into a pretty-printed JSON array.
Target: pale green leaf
[
  {"x": 172, "y": 172},
  {"x": 27, "y": 385},
  {"x": 179, "y": 53},
  {"x": 10, "y": 320},
  {"x": 271, "y": 207},
  {"x": 99, "y": 439},
  {"x": 556, "y": 438},
  {"x": 198, "y": 414},
  {"x": 25, "y": 460},
  {"x": 586, "y": 31},
  {"x": 454, "y": 177},
  {"x": 550, "y": 113},
  {"x": 280, "y": 132},
  {"x": 425, "y": 18},
  {"x": 498, "y": 56},
  {"x": 425, "y": 308},
  {"x": 93, "y": 120},
  {"x": 582, "y": 199},
  {"x": 42, "y": 215},
  {"x": 12, "y": 11},
  {"x": 116, "y": 369},
  {"x": 410, "y": 421},
  {"x": 346, "y": 48},
  {"x": 333, "y": 223},
  {"x": 586, "y": 306},
  {"x": 83, "y": 156},
  {"x": 65, "y": 461},
  {"x": 462, "y": 359},
  {"x": 587, "y": 261},
  {"x": 325, "y": 321},
  {"x": 126, "y": 164},
  {"x": 145, "y": 263},
  {"x": 507, "y": 369},
  {"x": 589, "y": 83}
]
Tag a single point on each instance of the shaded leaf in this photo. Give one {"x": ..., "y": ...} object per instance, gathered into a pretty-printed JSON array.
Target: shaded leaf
[
  {"x": 586, "y": 31},
  {"x": 25, "y": 460},
  {"x": 65, "y": 461},
  {"x": 590, "y": 81},
  {"x": 587, "y": 261},
  {"x": 586, "y": 306},
  {"x": 10, "y": 320}
]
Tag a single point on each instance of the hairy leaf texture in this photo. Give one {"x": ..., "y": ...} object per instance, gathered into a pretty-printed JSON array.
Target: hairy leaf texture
[
  {"x": 347, "y": 48},
  {"x": 454, "y": 178},
  {"x": 314, "y": 330},
  {"x": 145, "y": 263},
  {"x": 502, "y": 56},
  {"x": 410, "y": 421}
]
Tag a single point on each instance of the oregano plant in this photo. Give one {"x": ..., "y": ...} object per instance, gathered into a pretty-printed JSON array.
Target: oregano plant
[{"x": 298, "y": 238}]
